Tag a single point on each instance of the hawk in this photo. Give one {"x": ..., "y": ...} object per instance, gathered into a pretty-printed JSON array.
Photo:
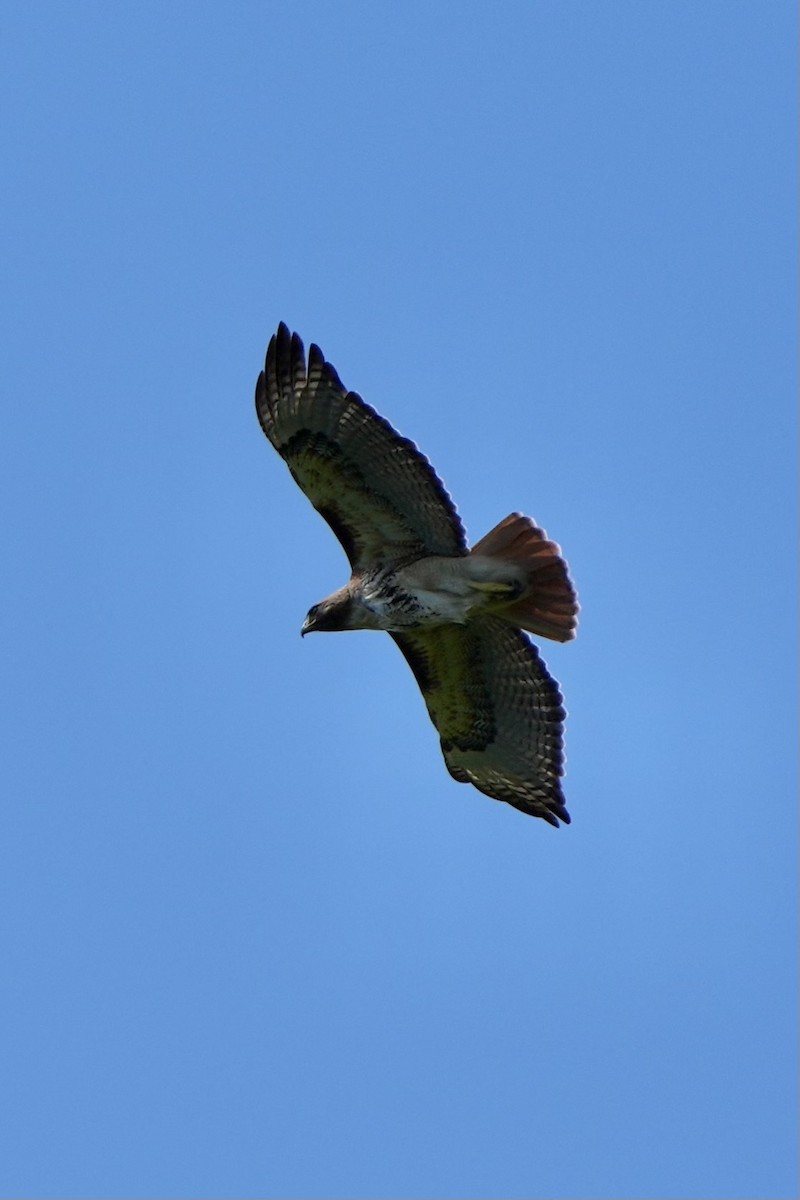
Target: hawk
[{"x": 457, "y": 614}]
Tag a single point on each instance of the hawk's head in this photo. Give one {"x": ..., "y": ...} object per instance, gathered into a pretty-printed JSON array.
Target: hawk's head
[{"x": 334, "y": 613}]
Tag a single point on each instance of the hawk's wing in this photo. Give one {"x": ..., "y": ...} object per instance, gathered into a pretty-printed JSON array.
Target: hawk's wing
[
  {"x": 380, "y": 496},
  {"x": 497, "y": 710}
]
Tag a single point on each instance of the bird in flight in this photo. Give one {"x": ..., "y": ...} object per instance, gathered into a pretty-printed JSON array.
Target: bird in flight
[{"x": 457, "y": 614}]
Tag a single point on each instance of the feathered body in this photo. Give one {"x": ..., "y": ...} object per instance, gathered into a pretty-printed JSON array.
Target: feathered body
[{"x": 456, "y": 614}]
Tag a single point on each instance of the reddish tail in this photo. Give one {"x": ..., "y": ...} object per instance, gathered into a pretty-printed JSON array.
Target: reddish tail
[{"x": 547, "y": 605}]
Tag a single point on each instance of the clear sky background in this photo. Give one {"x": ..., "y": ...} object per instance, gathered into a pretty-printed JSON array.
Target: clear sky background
[{"x": 254, "y": 940}]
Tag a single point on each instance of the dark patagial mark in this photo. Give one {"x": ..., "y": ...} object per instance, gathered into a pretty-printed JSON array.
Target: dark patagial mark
[
  {"x": 417, "y": 659},
  {"x": 341, "y": 530}
]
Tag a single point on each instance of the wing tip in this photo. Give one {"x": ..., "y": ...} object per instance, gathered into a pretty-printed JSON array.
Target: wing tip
[
  {"x": 262, "y": 406},
  {"x": 550, "y": 809},
  {"x": 555, "y": 815}
]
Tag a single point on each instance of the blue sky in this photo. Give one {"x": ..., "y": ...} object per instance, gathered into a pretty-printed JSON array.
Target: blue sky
[{"x": 255, "y": 941}]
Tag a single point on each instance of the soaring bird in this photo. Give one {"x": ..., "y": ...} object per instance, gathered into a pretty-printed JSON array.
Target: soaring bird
[{"x": 457, "y": 614}]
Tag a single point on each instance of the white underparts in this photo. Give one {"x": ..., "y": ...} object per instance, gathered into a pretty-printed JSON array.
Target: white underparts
[{"x": 436, "y": 591}]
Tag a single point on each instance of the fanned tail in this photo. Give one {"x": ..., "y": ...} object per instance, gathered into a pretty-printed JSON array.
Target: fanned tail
[{"x": 547, "y": 604}]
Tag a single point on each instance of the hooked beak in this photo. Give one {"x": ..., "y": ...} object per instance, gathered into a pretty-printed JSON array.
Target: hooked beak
[{"x": 308, "y": 627}]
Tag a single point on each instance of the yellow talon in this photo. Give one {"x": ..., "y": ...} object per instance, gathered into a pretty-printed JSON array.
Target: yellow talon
[{"x": 496, "y": 589}]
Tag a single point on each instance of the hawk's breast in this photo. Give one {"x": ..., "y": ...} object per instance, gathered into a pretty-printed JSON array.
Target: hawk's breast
[{"x": 397, "y": 606}]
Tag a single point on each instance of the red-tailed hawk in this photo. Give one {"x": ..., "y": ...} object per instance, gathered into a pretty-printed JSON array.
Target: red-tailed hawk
[{"x": 456, "y": 614}]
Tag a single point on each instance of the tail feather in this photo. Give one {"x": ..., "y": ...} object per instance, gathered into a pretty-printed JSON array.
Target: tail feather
[{"x": 548, "y": 605}]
